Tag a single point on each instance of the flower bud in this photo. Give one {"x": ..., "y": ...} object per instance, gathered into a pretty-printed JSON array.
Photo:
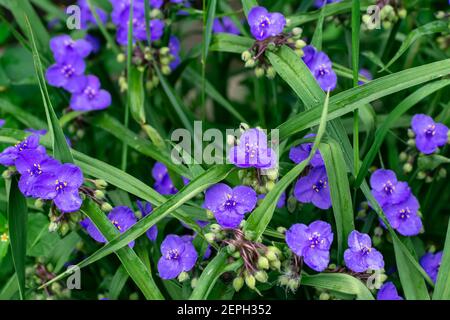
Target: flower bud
[
  {"x": 238, "y": 283},
  {"x": 293, "y": 284},
  {"x": 275, "y": 264},
  {"x": 210, "y": 237},
  {"x": 273, "y": 253},
  {"x": 261, "y": 276},
  {"x": 106, "y": 207},
  {"x": 263, "y": 263},
  {"x": 250, "y": 63},
  {"x": 270, "y": 72},
  {"x": 403, "y": 156},
  {"x": 442, "y": 173},
  {"x": 300, "y": 44},
  {"x": 297, "y": 31},
  {"x": 236, "y": 255},
  {"x": 166, "y": 70},
  {"x": 324, "y": 296},
  {"x": 271, "y": 46},
  {"x": 164, "y": 51},
  {"x": 288, "y": 22},
  {"x": 299, "y": 52},
  {"x": 121, "y": 58},
  {"x": 259, "y": 72},
  {"x": 246, "y": 55},
  {"x": 183, "y": 276},
  {"x": 291, "y": 204},
  {"x": 194, "y": 282},
  {"x": 283, "y": 280},
  {"x": 387, "y": 24},
  {"x": 100, "y": 184},
  {"x": 376, "y": 241},
  {"x": 154, "y": 13},
  {"x": 429, "y": 179},
  {"x": 215, "y": 228},
  {"x": 99, "y": 194},
  {"x": 249, "y": 235},
  {"x": 231, "y": 248},
  {"x": 39, "y": 203},
  {"x": 281, "y": 230},
  {"x": 209, "y": 214},
  {"x": 63, "y": 228},
  {"x": 8, "y": 173},
  {"x": 411, "y": 134},
  {"x": 421, "y": 175},
  {"x": 407, "y": 167},
  {"x": 250, "y": 281},
  {"x": 269, "y": 185}
]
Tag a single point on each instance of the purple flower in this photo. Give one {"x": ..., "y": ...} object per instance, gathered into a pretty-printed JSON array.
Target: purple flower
[
  {"x": 225, "y": 25},
  {"x": 301, "y": 152},
  {"x": 163, "y": 183},
  {"x": 91, "y": 97},
  {"x": 311, "y": 242},
  {"x": 386, "y": 189},
  {"x": 156, "y": 3},
  {"x": 388, "y": 292},
  {"x": 264, "y": 24},
  {"x": 320, "y": 66},
  {"x": 9, "y": 155},
  {"x": 429, "y": 135},
  {"x": 403, "y": 216},
  {"x": 146, "y": 208},
  {"x": 365, "y": 73},
  {"x": 431, "y": 263},
  {"x": 31, "y": 164},
  {"x": 281, "y": 202},
  {"x": 360, "y": 256},
  {"x": 87, "y": 16},
  {"x": 2, "y": 122},
  {"x": 174, "y": 47},
  {"x": 40, "y": 132},
  {"x": 313, "y": 188},
  {"x": 61, "y": 186},
  {"x": 64, "y": 47},
  {"x": 230, "y": 205},
  {"x": 67, "y": 73},
  {"x": 178, "y": 255},
  {"x": 253, "y": 151},
  {"x": 321, "y": 3},
  {"x": 94, "y": 42},
  {"x": 121, "y": 217}
]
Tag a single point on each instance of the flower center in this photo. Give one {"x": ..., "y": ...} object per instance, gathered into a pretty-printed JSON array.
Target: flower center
[
  {"x": 116, "y": 224},
  {"x": 321, "y": 184},
  {"x": 90, "y": 92},
  {"x": 21, "y": 146},
  {"x": 404, "y": 213},
  {"x": 230, "y": 203},
  {"x": 60, "y": 185},
  {"x": 68, "y": 70},
  {"x": 251, "y": 149},
  {"x": 35, "y": 170},
  {"x": 322, "y": 70},
  {"x": 365, "y": 250},
  {"x": 69, "y": 43},
  {"x": 314, "y": 240},
  {"x": 389, "y": 188},
  {"x": 265, "y": 22},
  {"x": 430, "y": 131},
  {"x": 172, "y": 254}
]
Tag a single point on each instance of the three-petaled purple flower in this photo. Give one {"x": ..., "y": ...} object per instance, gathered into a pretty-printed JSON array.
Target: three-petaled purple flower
[
  {"x": 9, "y": 155},
  {"x": 31, "y": 164},
  {"x": 86, "y": 16},
  {"x": 388, "y": 292},
  {"x": 177, "y": 255},
  {"x": 91, "y": 97},
  {"x": 313, "y": 188},
  {"x": 253, "y": 151},
  {"x": 404, "y": 217},
  {"x": 121, "y": 217},
  {"x": 225, "y": 25},
  {"x": 311, "y": 242},
  {"x": 67, "y": 73},
  {"x": 64, "y": 47},
  {"x": 302, "y": 151},
  {"x": 163, "y": 183},
  {"x": 174, "y": 47},
  {"x": 431, "y": 263},
  {"x": 386, "y": 189},
  {"x": 360, "y": 256},
  {"x": 230, "y": 205},
  {"x": 429, "y": 134},
  {"x": 146, "y": 208},
  {"x": 320, "y": 66},
  {"x": 61, "y": 186},
  {"x": 264, "y": 24}
]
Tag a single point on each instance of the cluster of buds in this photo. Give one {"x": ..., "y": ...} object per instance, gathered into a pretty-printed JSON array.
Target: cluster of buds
[
  {"x": 255, "y": 57},
  {"x": 444, "y": 39},
  {"x": 260, "y": 182},
  {"x": 290, "y": 277},
  {"x": 41, "y": 273},
  {"x": 388, "y": 13}
]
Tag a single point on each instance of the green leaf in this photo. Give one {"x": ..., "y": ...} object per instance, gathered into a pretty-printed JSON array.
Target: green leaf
[
  {"x": 226, "y": 42},
  {"x": 117, "y": 283},
  {"x": 431, "y": 162},
  {"x": 22, "y": 115},
  {"x": 137, "y": 94},
  {"x": 425, "y": 30},
  {"x": 61, "y": 150},
  {"x": 260, "y": 218},
  {"x": 215, "y": 268},
  {"x": 391, "y": 119},
  {"x": 130, "y": 261},
  {"x": 207, "y": 32},
  {"x": 40, "y": 241},
  {"x": 339, "y": 282},
  {"x": 341, "y": 198},
  {"x": 442, "y": 289},
  {"x": 413, "y": 284},
  {"x": 316, "y": 40},
  {"x": 17, "y": 220}
]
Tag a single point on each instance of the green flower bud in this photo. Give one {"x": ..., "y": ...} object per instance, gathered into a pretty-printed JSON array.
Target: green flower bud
[
  {"x": 133, "y": 296},
  {"x": 324, "y": 296},
  {"x": 411, "y": 134},
  {"x": 270, "y": 72},
  {"x": 421, "y": 175},
  {"x": 246, "y": 55},
  {"x": 299, "y": 52},
  {"x": 250, "y": 63},
  {"x": 261, "y": 276},
  {"x": 402, "y": 13},
  {"x": 269, "y": 185},
  {"x": 236, "y": 255},
  {"x": 155, "y": 13},
  {"x": 403, "y": 156},
  {"x": 99, "y": 194},
  {"x": 8, "y": 173},
  {"x": 194, "y": 282},
  {"x": 378, "y": 231},
  {"x": 297, "y": 31},
  {"x": 215, "y": 228},
  {"x": 100, "y": 184},
  {"x": 121, "y": 58},
  {"x": 376, "y": 241},
  {"x": 210, "y": 237},
  {"x": 429, "y": 179},
  {"x": 63, "y": 228},
  {"x": 275, "y": 264},
  {"x": 288, "y": 22},
  {"x": 281, "y": 230},
  {"x": 231, "y": 248},
  {"x": 249, "y": 235},
  {"x": 106, "y": 207},
  {"x": 166, "y": 70},
  {"x": 52, "y": 227},
  {"x": 271, "y": 46},
  {"x": 250, "y": 281},
  {"x": 293, "y": 284},
  {"x": 209, "y": 214},
  {"x": 164, "y": 51},
  {"x": 263, "y": 263},
  {"x": 387, "y": 24},
  {"x": 238, "y": 283},
  {"x": 407, "y": 167},
  {"x": 165, "y": 61},
  {"x": 273, "y": 253},
  {"x": 442, "y": 173},
  {"x": 39, "y": 203},
  {"x": 300, "y": 44},
  {"x": 331, "y": 266},
  {"x": 183, "y": 276},
  {"x": 259, "y": 72}
]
